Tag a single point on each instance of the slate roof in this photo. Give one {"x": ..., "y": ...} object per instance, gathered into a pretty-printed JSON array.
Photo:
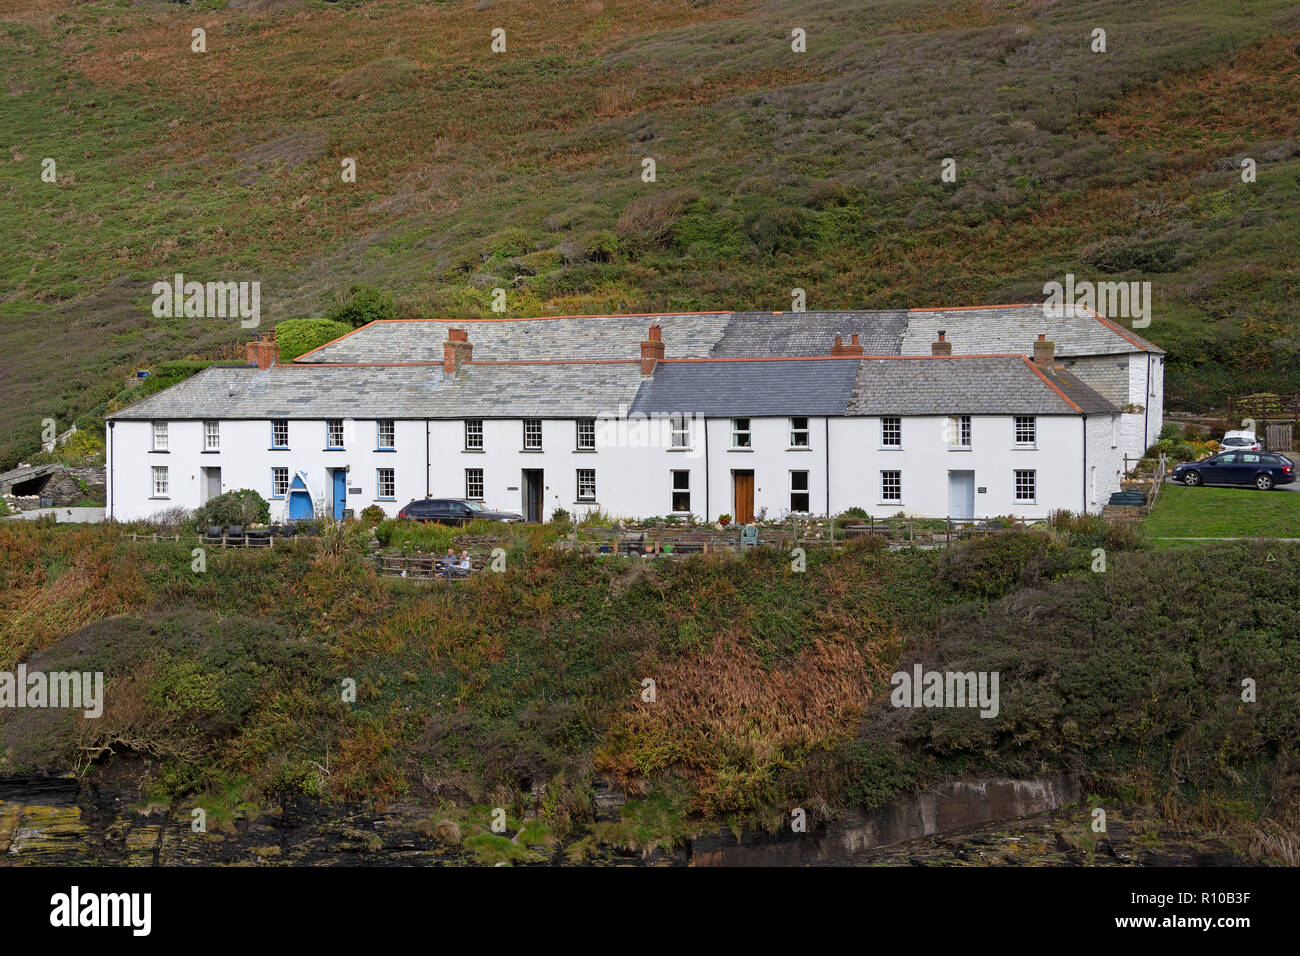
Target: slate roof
[
  {"x": 581, "y": 366},
  {"x": 977, "y": 385},
  {"x": 1014, "y": 329},
  {"x": 985, "y": 330},
  {"x": 562, "y": 390},
  {"x": 730, "y": 389},
  {"x": 561, "y": 339}
]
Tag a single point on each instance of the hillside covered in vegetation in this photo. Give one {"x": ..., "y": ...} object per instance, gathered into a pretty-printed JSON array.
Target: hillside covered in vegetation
[
  {"x": 523, "y": 169},
  {"x": 525, "y": 690}
]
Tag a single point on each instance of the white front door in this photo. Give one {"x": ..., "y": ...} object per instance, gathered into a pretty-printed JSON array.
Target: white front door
[{"x": 961, "y": 494}]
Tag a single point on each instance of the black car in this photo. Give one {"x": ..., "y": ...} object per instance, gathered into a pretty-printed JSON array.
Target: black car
[
  {"x": 1255, "y": 468},
  {"x": 453, "y": 511}
]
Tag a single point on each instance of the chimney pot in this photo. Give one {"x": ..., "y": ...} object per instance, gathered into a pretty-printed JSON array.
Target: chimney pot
[
  {"x": 840, "y": 349},
  {"x": 1044, "y": 352},
  {"x": 941, "y": 346},
  {"x": 456, "y": 351},
  {"x": 652, "y": 350}
]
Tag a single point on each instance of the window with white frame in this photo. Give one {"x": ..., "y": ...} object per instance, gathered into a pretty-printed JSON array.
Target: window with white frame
[
  {"x": 891, "y": 432},
  {"x": 279, "y": 482},
  {"x": 586, "y": 484},
  {"x": 1026, "y": 430},
  {"x": 386, "y": 435},
  {"x": 681, "y": 431},
  {"x": 799, "y": 498},
  {"x": 159, "y": 436},
  {"x": 474, "y": 434},
  {"x": 385, "y": 483},
  {"x": 798, "y": 433},
  {"x": 1026, "y": 485},
  {"x": 532, "y": 434},
  {"x": 280, "y": 433},
  {"x": 334, "y": 433},
  {"x": 211, "y": 436},
  {"x": 681, "y": 492},
  {"x": 474, "y": 484},
  {"x": 959, "y": 431},
  {"x": 891, "y": 486},
  {"x": 740, "y": 436},
  {"x": 586, "y": 433},
  {"x": 160, "y": 481}
]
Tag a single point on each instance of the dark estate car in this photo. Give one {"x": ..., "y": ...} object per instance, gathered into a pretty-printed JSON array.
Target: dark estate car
[
  {"x": 453, "y": 511},
  {"x": 1257, "y": 468}
]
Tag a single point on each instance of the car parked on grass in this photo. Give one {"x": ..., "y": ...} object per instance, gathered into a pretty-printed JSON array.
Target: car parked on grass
[
  {"x": 1253, "y": 468},
  {"x": 1240, "y": 441},
  {"x": 453, "y": 511}
]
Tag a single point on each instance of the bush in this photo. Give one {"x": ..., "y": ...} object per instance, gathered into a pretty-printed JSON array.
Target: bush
[
  {"x": 1171, "y": 430},
  {"x": 299, "y": 336},
  {"x": 364, "y": 304},
  {"x": 779, "y": 230},
  {"x": 372, "y": 515},
  {"x": 647, "y": 221},
  {"x": 559, "y": 514},
  {"x": 243, "y": 507}
]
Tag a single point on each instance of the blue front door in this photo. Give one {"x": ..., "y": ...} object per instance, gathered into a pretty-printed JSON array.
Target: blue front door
[
  {"x": 299, "y": 500},
  {"x": 340, "y": 492}
]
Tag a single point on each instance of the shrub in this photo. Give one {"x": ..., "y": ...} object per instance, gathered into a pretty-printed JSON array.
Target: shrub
[
  {"x": 1171, "y": 430},
  {"x": 242, "y": 507},
  {"x": 778, "y": 230},
  {"x": 372, "y": 515},
  {"x": 559, "y": 514},
  {"x": 647, "y": 221},
  {"x": 990, "y": 567},
  {"x": 299, "y": 336},
  {"x": 364, "y": 304}
]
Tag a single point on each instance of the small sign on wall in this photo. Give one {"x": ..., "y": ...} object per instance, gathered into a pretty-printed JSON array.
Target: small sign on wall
[
  {"x": 982, "y": 491},
  {"x": 354, "y": 491}
]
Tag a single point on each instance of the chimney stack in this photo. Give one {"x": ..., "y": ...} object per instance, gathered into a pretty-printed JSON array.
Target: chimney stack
[
  {"x": 840, "y": 349},
  {"x": 652, "y": 350},
  {"x": 941, "y": 346},
  {"x": 1044, "y": 352},
  {"x": 263, "y": 351},
  {"x": 456, "y": 351}
]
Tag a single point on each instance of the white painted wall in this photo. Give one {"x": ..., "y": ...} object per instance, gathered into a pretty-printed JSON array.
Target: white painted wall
[
  {"x": 246, "y": 459},
  {"x": 633, "y": 471}
]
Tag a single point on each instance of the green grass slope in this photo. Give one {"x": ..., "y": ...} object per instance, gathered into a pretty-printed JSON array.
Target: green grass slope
[{"x": 522, "y": 169}]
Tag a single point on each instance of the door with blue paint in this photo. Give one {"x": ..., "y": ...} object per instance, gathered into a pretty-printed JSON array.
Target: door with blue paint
[
  {"x": 300, "y": 506},
  {"x": 340, "y": 492}
]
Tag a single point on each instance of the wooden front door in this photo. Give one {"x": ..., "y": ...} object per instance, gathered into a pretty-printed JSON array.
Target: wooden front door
[{"x": 744, "y": 496}]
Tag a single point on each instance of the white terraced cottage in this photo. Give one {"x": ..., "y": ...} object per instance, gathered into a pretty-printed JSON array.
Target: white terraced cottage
[{"x": 965, "y": 413}]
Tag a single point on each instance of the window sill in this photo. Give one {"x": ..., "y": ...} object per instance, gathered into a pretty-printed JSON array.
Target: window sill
[
  {"x": 333, "y": 449},
  {"x": 385, "y": 499},
  {"x": 278, "y": 448},
  {"x": 159, "y": 451},
  {"x": 1024, "y": 448},
  {"x": 587, "y": 501},
  {"x": 389, "y": 450},
  {"x": 889, "y": 504},
  {"x": 890, "y": 448},
  {"x": 210, "y": 451},
  {"x": 530, "y": 451},
  {"x": 799, "y": 448},
  {"x": 473, "y": 451},
  {"x": 1021, "y": 501},
  {"x": 680, "y": 449},
  {"x": 584, "y": 451},
  {"x": 277, "y": 497},
  {"x": 965, "y": 449},
  {"x": 159, "y": 498},
  {"x": 745, "y": 450}
]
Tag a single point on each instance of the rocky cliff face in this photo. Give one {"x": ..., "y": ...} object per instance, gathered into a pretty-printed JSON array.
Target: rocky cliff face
[{"x": 56, "y": 821}]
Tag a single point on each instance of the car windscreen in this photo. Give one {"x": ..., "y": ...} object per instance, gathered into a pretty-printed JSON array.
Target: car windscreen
[{"x": 474, "y": 506}]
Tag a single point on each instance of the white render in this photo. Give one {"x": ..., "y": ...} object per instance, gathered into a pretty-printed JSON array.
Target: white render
[{"x": 1076, "y": 460}]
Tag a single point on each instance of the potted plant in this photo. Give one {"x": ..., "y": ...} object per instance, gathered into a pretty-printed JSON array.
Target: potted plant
[{"x": 724, "y": 520}]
